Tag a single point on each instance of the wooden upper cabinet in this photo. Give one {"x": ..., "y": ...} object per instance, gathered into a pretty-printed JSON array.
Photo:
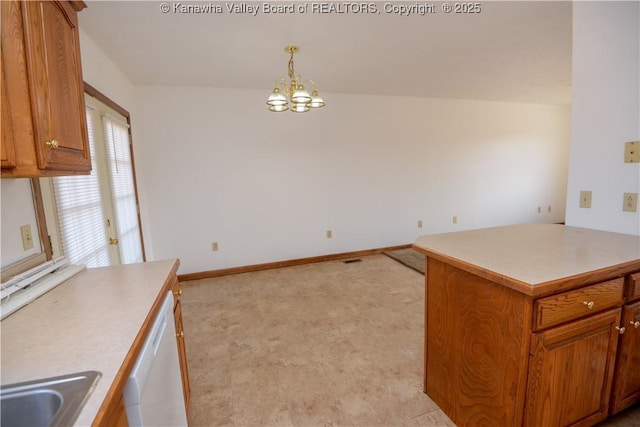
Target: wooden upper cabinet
[
  {"x": 7, "y": 157},
  {"x": 44, "y": 88}
]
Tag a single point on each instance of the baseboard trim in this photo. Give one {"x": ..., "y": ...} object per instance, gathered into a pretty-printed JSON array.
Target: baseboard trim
[{"x": 288, "y": 263}]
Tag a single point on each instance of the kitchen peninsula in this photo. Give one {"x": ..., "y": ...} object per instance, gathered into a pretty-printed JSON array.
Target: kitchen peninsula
[{"x": 535, "y": 324}]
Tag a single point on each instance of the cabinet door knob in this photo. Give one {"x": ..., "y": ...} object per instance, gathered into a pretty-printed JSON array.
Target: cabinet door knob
[
  {"x": 589, "y": 304},
  {"x": 181, "y": 334},
  {"x": 635, "y": 324},
  {"x": 53, "y": 144},
  {"x": 621, "y": 329},
  {"x": 113, "y": 241},
  {"x": 177, "y": 293}
]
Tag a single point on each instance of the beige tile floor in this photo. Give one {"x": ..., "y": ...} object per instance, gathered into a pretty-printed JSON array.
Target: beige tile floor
[{"x": 324, "y": 344}]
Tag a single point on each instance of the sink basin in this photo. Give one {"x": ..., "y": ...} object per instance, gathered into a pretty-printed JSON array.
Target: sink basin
[{"x": 55, "y": 401}]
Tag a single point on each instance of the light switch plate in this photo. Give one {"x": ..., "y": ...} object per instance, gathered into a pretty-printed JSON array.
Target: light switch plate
[
  {"x": 630, "y": 202},
  {"x": 632, "y": 152},
  {"x": 585, "y": 199},
  {"x": 27, "y": 238}
]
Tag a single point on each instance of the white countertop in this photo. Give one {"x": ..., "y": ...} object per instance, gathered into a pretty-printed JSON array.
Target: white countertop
[
  {"x": 87, "y": 323},
  {"x": 534, "y": 254}
]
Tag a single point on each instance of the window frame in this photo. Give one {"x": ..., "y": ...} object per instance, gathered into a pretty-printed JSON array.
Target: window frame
[{"x": 37, "y": 194}]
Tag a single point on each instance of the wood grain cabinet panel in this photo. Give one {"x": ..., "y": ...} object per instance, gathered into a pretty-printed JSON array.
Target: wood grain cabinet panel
[
  {"x": 7, "y": 156},
  {"x": 578, "y": 303},
  {"x": 182, "y": 347},
  {"x": 45, "y": 91},
  {"x": 475, "y": 361},
  {"x": 571, "y": 372},
  {"x": 626, "y": 384},
  {"x": 182, "y": 355}
]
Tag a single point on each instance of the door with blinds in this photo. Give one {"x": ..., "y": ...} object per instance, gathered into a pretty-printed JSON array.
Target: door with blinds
[{"x": 96, "y": 216}]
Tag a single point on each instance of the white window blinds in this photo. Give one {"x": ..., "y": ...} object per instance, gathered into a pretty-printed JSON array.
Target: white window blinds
[
  {"x": 80, "y": 216},
  {"x": 123, "y": 195},
  {"x": 98, "y": 214}
]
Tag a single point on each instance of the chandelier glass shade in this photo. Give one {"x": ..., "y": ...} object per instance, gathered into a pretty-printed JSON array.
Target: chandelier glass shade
[{"x": 292, "y": 95}]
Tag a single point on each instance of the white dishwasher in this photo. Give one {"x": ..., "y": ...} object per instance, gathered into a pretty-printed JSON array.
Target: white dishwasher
[{"x": 153, "y": 394}]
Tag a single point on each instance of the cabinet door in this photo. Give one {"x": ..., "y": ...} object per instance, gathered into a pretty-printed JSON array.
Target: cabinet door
[
  {"x": 626, "y": 383},
  {"x": 56, "y": 86},
  {"x": 571, "y": 371},
  {"x": 182, "y": 354}
]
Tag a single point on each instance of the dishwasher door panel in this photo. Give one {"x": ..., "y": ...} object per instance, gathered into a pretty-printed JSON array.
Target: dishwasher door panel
[{"x": 153, "y": 394}]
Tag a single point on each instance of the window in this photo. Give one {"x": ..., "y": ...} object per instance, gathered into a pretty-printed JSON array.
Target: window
[
  {"x": 123, "y": 194},
  {"x": 93, "y": 219}
]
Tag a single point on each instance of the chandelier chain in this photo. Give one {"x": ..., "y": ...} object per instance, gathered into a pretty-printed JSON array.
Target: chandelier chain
[{"x": 292, "y": 73}]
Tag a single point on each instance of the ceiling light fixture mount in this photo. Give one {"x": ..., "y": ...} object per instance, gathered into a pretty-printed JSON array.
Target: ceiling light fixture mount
[{"x": 292, "y": 95}]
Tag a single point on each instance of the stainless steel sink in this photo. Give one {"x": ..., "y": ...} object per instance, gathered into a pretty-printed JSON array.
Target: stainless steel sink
[{"x": 55, "y": 401}]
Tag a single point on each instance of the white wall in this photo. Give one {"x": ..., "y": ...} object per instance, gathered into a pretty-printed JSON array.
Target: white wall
[
  {"x": 267, "y": 186},
  {"x": 17, "y": 210},
  {"x": 214, "y": 165},
  {"x": 605, "y": 114}
]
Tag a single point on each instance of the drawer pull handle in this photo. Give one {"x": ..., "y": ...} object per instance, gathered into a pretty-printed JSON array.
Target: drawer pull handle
[
  {"x": 635, "y": 324},
  {"x": 177, "y": 293},
  {"x": 181, "y": 334},
  {"x": 53, "y": 144},
  {"x": 589, "y": 304},
  {"x": 621, "y": 329}
]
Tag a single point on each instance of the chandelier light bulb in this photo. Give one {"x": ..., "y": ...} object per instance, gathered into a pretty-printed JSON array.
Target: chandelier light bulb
[
  {"x": 301, "y": 95},
  {"x": 277, "y": 98},
  {"x": 278, "y": 108},
  {"x": 300, "y": 107},
  {"x": 316, "y": 100}
]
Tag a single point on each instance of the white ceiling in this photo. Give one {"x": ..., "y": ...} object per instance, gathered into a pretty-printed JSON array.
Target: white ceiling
[{"x": 516, "y": 51}]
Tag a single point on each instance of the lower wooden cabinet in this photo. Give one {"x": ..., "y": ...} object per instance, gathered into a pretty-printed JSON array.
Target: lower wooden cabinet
[
  {"x": 626, "y": 383},
  {"x": 182, "y": 354},
  {"x": 182, "y": 348},
  {"x": 571, "y": 371},
  {"x": 495, "y": 356}
]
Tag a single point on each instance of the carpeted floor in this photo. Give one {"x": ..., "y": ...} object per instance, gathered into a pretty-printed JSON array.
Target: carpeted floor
[{"x": 324, "y": 344}]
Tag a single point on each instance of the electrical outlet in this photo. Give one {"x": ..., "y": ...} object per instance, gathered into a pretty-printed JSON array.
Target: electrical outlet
[
  {"x": 585, "y": 199},
  {"x": 455, "y": 219},
  {"x": 215, "y": 246},
  {"x": 539, "y": 209},
  {"x": 632, "y": 152},
  {"x": 419, "y": 223},
  {"x": 27, "y": 239},
  {"x": 630, "y": 202},
  {"x": 329, "y": 234},
  {"x": 549, "y": 208}
]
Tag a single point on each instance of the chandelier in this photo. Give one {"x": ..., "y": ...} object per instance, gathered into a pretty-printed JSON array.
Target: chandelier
[{"x": 292, "y": 95}]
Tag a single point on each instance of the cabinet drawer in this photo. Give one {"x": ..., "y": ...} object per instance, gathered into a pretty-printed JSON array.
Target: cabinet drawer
[
  {"x": 578, "y": 303},
  {"x": 633, "y": 290}
]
